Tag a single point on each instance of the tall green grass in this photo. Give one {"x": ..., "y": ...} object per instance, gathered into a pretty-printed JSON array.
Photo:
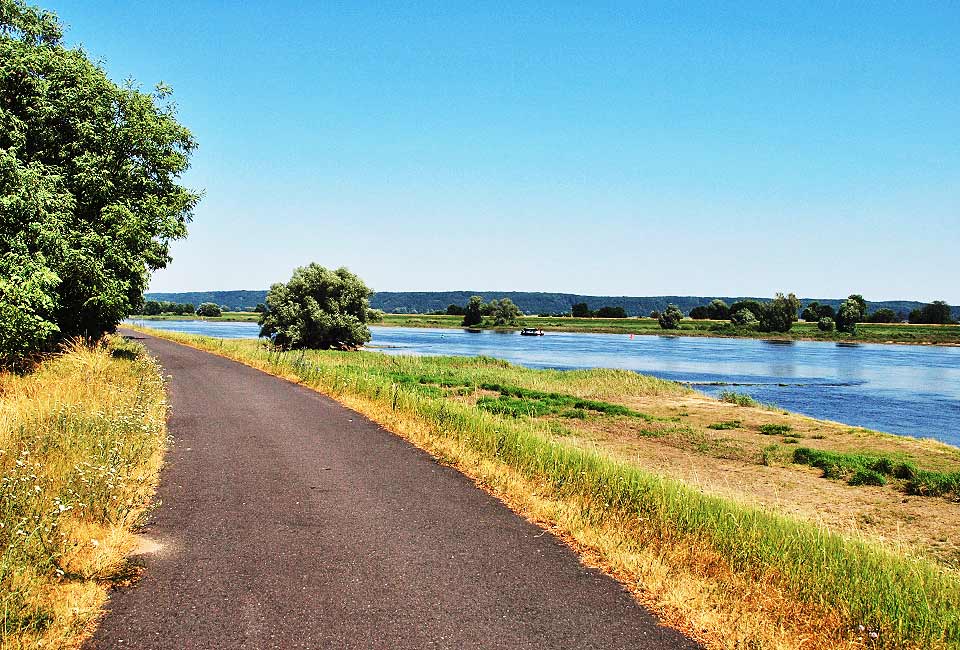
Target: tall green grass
[{"x": 912, "y": 602}]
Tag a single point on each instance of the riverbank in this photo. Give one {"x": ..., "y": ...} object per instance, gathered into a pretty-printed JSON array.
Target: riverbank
[
  {"x": 82, "y": 439},
  {"x": 743, "y": 523},
  {"x": 899, "y": 333},
  {"x": 866, "y": 332}
]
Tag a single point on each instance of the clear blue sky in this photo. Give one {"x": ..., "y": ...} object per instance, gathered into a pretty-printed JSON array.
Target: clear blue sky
[{"x": 561, "y": 146}]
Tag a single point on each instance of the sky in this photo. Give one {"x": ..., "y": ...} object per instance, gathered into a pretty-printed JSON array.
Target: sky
[{"x": 596, "y": 148}]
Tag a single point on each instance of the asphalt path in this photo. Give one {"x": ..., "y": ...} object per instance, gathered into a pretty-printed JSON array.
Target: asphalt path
[{"x": 289, "y": 521}]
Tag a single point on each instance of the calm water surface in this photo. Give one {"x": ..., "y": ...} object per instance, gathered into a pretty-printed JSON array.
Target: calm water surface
[{"x": 910, "y": 390}]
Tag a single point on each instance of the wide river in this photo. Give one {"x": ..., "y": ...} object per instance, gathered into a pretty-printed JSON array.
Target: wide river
[{"x": 910, "y": 390}]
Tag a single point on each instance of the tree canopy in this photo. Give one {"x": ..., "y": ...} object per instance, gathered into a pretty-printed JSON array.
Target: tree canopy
[
  {"x": 318, "y": 309},
  {"x": 89, "y": 193},
  {"x": 670, "y": 317}
]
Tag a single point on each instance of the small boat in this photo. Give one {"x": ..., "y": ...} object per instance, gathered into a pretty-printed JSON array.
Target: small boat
[{"x": 531, "y": 331}]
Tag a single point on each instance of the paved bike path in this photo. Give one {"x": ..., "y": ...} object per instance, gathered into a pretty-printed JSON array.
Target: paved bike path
[{"x": 289, "y": 521}]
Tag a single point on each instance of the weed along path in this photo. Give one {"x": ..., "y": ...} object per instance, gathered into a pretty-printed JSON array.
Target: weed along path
[{"x": 289, "y": 521}]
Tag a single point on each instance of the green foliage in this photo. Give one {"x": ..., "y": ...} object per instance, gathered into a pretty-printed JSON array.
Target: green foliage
[
  {"x": 700, "y": 313},
  {"x": 718, "y": 310},
  {"x": 89, "y": 199},
  {"x": 503, "y": 312},
  {"x": 318, "y": 308},
  {"x": 778, "y": 314},
  {"x": 725, "y": 425},
  {"x": 375, "y": 316},
  {"x": 866, "y": 476},
  {"x": 455, "y": 310},
  {"x": 209, "y": 310},
  {"x": 580, "y": 310},
  {"x": 744, "y": 317},
  {"x": 935, "y": 313},
  {"x": 883, "y": 316},
  {"x": 473, "y": 313},
  {"x": 260, "y": 308},
  {"x": 670, "y": 318},
  {"x": 825, "y": 324},
  {"x": 611, "y": 312},
  {"x": 151, "y": 308},
  {"x": 848, "y": 315},
  {"x": 740, "y": 399},
  {"x": 775, "y": 429},
  {"x": 752, "y": 305}
]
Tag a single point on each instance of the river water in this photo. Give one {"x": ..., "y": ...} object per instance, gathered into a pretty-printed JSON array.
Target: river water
[{"x": 909, "y": 390}]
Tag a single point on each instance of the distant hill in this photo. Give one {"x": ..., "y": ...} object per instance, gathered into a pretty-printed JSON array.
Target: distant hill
[{"x": 419, "y": 302}]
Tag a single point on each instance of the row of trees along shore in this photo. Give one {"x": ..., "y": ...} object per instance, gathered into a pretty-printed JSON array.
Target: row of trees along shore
[
  {"x": 779, "y": 314},
  {"x": 159, "y": 307}
]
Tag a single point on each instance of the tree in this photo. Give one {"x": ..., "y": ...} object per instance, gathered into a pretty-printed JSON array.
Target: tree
[
  {"x": 718, "y": 310},
  {"x": 504, "y": 312},
  {"x": 811, "y": 312},
  {"x": 826, "y": 311},
  {"x": 318, "y": 309},
  {"x": 209, "y": 310},
  {"x": 778, "y": 314},
  {"x": 755, "y": 307},
  {"x": 151, "y": 308},
  {"x": 848, "y": 315},
  {"x": 825, "y": 324},
  {"x": 260, "y": 308},
  {"x": 473, "y": 312},
  {"x": 700, "y": 313},
  {"x": 936, "y": 313},
  {"x": 915, "y": 316},
  {"x": 655, "y": 314},
  {"x": 455, "y": 310},
  {"x": 611, "y": 312},
  {"x": 671, "y": 317},
  {"x": 883, "y": 316},
  {"x": 580, "y": 310},
  {"x": 744, "y": 318},
  {"x": 861, "y": 304},
  {"x": 89, "y": 193}
]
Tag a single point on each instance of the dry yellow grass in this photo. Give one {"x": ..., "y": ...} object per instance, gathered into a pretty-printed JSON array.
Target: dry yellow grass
[{"x": 81, "y": 443}]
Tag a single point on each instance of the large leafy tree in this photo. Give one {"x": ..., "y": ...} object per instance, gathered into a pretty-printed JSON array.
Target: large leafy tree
[
  {"x": 778, "y": 314},
  {"x": 89, "y": 193},
  {"x": 319, "y": 309}
]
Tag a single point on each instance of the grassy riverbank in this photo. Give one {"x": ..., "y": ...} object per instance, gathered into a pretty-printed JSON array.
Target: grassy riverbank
[
  {"x": 81, "y": 443},
  {"x": 695, "y": 504},
  {"x": 866, "y": 332}
]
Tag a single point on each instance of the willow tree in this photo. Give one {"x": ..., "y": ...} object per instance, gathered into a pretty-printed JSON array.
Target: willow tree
[{"x": 90, "y": 194}]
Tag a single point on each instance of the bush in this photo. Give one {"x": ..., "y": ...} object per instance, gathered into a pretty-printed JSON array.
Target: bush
[
  {"x": 848, "y": 315},
  {"x": 209, "y": 310},
  {"x": 867, "y": 477},
  {"x": 825, "y": 324},
  {"x": 775, "y": 429},
  {"x": 671, "y": 317},
  {"x": 473, "y": 312},
  {"x": 503, "y": 312},
  {"x": 718, "y": 310},
  {"x": 755, "y": 307},
  {"x": 580, "y": 310},
  {"x": 778, "y": 314},
  {"x": 744, "y": 318},
  {"x": 740, "y": 399},
  {"x": 319, "y": 309}
]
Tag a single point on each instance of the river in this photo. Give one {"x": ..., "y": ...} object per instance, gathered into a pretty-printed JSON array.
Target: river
[{"x": 909, "y": 390}]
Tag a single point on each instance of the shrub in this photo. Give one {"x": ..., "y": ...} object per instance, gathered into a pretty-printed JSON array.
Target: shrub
[
  {"x": 209, "y": 310},
  {"x": 318, "y": 308},
  {"x": 867, "y": 476},
  {"x": 740, "y": 399},
  {"x": 473, "y": 312},
  {"x": 778, "y": 314},
  {"x": 744, "y": 318},
  {"x": 775, "y": 429},
  {"x": 848, "y": 315},
  {"x": 670, "y": 318},
  {"x": 825, "y": 324},
  {"x": 727, "y": 424}
]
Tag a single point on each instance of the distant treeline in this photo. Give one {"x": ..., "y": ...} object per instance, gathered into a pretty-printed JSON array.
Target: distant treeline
[{"x": 425, "y": 302}]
